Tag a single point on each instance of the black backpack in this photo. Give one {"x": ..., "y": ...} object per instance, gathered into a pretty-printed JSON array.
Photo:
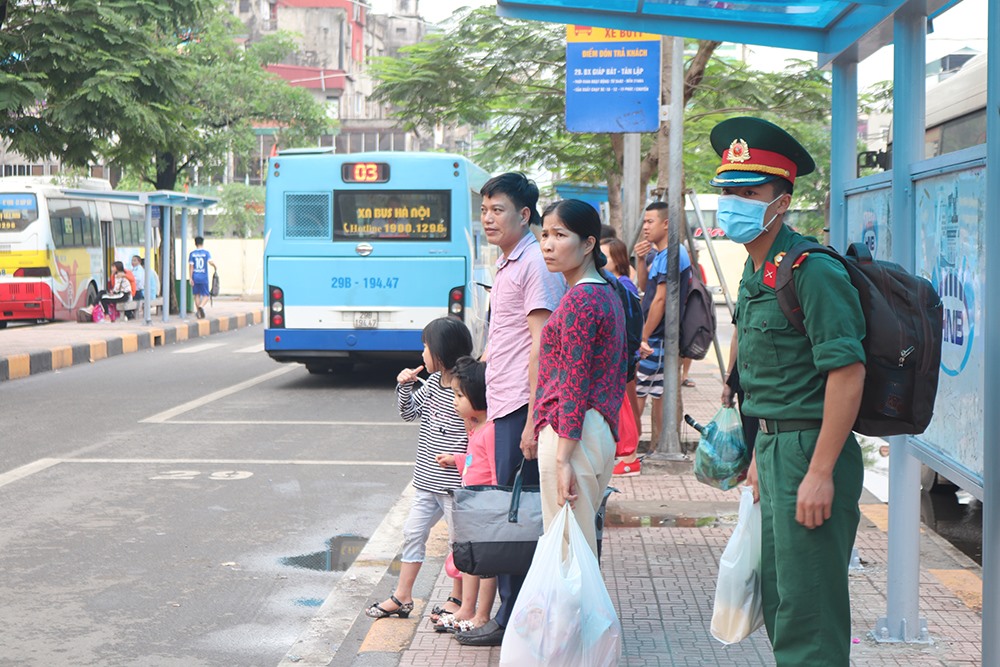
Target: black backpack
[
  {"x": 633, "y": 316},
  {"x": 902, "y": 337},
  {"x": 697, "y": 328}
]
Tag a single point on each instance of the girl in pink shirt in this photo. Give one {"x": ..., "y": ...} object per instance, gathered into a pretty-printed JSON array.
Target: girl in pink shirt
[{"x": 477, "y": 467}]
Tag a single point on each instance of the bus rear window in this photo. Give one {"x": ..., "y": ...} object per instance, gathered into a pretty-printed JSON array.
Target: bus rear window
[
  {"x": 396, "y": 215},
  {"x": 17, "y": 211}
]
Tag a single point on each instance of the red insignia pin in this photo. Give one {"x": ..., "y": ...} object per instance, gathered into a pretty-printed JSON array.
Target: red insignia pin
[{"x": 770, "y": 274}]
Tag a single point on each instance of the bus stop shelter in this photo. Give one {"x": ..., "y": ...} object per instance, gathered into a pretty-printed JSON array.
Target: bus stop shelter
[
  {"x": 166, "y": 200},
  {"x": 936, "y": 217}
]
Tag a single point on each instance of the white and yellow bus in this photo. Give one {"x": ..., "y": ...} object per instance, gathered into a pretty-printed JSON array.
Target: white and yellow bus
[{"x": 57, "y": 246}]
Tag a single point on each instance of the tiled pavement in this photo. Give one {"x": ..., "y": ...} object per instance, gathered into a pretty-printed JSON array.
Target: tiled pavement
[{"x": 660, "y": 569}]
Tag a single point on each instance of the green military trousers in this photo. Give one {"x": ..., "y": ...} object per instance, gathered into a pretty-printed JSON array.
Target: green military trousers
[{"x": 807, "y": 606}]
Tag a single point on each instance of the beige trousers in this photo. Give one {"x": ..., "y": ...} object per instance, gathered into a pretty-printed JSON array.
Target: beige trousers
[{"x": 593, "y": 461}]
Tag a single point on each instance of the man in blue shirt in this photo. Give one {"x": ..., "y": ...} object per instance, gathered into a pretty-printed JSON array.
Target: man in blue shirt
[
  {"x": 198, "y": 262},
  {"x": 651, "y": 275},
  {"x": 140, "y": 277}
]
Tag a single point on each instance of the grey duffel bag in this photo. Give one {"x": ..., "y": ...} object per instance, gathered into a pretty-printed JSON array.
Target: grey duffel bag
[{"x": 496, "y": 528}]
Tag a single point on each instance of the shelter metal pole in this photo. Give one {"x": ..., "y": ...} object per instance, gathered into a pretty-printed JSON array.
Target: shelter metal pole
[
  {"x": 902, "y": 622},
  {"x": 630, "y": 185},
  {"x": 165, "y": 274},
  {"x": 843, "y": 148},
  {"x": 182, "y": 297},
  {"x": 147, "y": 287},
  {"x": 201, "y": 222},
  {"x": 670, "y": 442},
  {"x": 991, "y": 426}
]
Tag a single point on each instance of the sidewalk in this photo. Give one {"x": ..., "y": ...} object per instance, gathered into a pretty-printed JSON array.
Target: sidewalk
[
  {"x": 662, "y": 540},
  {"x": 27, "y": 350}
]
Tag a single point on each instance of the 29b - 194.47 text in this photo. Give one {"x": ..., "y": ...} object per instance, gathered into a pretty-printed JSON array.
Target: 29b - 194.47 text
[{"x": 346, "y": 282}]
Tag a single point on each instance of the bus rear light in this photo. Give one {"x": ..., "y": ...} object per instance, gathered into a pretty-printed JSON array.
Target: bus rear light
[
  {"x": 33, "y": 272},
  {"x": 456, "y": 302},
  {"x": 277, "y": 307}
]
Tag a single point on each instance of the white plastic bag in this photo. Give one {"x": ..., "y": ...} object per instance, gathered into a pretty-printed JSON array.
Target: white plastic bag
[
  {"x": 738, "y": 607},
  {"x": 563, "y": 615}
]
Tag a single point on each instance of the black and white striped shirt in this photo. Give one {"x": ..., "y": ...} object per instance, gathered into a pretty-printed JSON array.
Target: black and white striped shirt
[{"x": 442, "y": 431}]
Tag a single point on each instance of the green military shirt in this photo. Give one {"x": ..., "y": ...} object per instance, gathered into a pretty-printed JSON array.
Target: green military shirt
[{"x": 782, "y": 372}]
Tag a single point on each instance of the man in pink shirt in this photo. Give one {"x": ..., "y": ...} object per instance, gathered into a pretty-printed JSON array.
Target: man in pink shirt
[{"x": 523, "y": 295}]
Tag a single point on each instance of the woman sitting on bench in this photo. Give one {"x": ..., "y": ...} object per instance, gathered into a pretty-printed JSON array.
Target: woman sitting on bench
[{"x": 121, "y": 288}]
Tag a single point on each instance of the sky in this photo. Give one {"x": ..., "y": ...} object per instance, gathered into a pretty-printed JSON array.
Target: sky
[{"x": 963, "y": 25}]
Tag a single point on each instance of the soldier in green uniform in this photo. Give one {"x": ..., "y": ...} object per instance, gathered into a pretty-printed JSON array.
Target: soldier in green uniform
[{"x": 805, "y": 391}]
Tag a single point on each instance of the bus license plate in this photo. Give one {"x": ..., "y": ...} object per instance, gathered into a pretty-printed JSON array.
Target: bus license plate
[{"x": 366, "y": 320}]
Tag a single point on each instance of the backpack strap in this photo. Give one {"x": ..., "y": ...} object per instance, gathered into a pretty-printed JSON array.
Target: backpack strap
[{"x": 784, "y": 285}]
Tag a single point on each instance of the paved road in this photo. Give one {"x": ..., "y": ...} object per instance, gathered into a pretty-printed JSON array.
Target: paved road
[{"x": 148, "y": 503}]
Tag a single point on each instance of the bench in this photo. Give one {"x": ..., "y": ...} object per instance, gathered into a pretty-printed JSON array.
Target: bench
[{"x": 133, "y": 309}]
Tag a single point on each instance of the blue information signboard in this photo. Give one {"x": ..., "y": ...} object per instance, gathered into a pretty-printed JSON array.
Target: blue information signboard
[{"x": 612, "y": 80}]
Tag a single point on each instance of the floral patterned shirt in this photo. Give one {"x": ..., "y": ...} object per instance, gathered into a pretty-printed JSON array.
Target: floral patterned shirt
[{"x": 582, "y": 360}]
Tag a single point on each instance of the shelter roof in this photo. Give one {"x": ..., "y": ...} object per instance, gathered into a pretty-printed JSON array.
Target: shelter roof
[
  {"x": 157, "y": 198},
  {"x": 827, "y": 27}
]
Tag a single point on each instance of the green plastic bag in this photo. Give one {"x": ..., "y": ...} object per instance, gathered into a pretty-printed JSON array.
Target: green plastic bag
[{"x": 722, "y": 457}]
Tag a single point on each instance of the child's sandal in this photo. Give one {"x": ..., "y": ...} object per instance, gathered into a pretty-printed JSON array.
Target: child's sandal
[
  {"x": 402, "y": 610},
  {"x": 439, "y": 609},
  {"x": 446, "y": 623}
]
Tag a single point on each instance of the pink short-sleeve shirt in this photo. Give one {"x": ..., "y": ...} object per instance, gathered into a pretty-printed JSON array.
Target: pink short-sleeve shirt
[{"x": 522, "y": 284}]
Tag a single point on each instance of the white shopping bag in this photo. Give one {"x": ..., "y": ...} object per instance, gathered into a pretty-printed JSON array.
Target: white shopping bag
[
  {"x": 563, "y": 616},
  {"x": 738, "y": 608}
]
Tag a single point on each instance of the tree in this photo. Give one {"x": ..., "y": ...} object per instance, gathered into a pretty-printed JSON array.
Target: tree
[
  {"x": 79, "y": 77},
  {"x": 508, "y": 77},
  {"x": 141, "y": 83},
  {"x": 242, "y": 209}
]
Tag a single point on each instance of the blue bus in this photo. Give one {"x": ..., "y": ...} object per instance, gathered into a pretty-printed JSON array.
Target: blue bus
[{"x": 362, "y": 250}]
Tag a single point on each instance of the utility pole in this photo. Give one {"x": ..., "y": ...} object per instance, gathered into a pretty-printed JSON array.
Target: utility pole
[{"x": 669, "y": 179}]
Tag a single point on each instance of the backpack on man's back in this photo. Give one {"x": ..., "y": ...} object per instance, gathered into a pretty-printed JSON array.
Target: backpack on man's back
[
  {"x": 697, "y": 328},
  {"x": 902, "y": 337}
]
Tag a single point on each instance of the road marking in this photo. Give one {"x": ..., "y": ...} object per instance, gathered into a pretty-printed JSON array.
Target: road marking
[
  {"x": 194, "y": 349},
  {"x": 212, "y": 462},
  {"x": 966, "y": 586},
  {"x": 188, "y": 475},
  {"x": 318, "y": 644},
  {"x": 265, "y": 422},
  {"x": 253, "y": 349},
  {"x": 214, "y": 396},
  {"x": 878, "y": 514},
  {"x": 26, "y": 470}
]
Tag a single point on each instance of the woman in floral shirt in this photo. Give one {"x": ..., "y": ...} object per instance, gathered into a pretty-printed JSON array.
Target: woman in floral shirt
[{"x": 581, "y": 369}]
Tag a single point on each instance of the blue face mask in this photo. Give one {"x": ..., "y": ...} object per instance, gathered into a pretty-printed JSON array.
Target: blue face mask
[{"x": 743, "y": 219}]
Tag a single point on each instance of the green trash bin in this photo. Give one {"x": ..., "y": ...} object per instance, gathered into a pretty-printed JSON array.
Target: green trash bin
[{"x": 190, "y": 296}]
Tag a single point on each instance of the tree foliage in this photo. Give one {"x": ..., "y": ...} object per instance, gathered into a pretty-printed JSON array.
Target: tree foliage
[
  {"x": 242, "y": 211},
  {"x": 797, "y": 98},
  {"x": 504, "y": 76},
  {"x": 150, "y": 85}
]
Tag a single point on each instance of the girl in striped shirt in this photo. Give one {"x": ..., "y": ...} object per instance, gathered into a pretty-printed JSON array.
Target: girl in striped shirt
[{"x": 442, "y": 431}]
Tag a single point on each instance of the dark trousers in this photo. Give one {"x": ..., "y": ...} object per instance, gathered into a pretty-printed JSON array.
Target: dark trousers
[
  {"x": 105, "y": 299},
  {"x": 507, "y": 435}
]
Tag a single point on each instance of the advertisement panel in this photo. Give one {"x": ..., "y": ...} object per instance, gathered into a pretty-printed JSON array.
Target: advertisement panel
[{"x": 950, "y": 210}]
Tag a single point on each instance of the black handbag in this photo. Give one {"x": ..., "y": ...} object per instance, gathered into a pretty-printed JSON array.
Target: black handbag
[{"x": 496, "y": 528}]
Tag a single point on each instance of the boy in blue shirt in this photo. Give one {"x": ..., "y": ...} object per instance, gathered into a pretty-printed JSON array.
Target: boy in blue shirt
[
  {"x": 651, "y": 274},
  {"x": 198, "y": 263}
]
